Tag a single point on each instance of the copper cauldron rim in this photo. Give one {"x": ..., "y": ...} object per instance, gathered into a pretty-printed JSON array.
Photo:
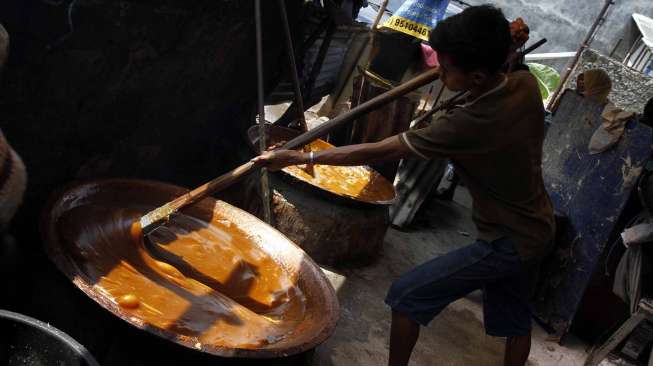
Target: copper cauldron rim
[{"x": 330, "y": 311}]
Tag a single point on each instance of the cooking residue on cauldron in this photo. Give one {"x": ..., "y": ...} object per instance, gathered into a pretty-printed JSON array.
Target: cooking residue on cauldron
[
  {"x": 357, "y": 182},
  {"x": 200, "y": 279}
]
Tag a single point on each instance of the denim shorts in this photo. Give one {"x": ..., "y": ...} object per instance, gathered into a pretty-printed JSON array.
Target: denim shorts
[{"x": 495, "y": 268}]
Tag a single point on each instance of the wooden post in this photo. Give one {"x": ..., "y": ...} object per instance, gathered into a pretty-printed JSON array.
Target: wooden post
[
  {"x": 299, "y": 99},
  {"x": 265, "y": 186},
  {"x": 585, "y": 44}
]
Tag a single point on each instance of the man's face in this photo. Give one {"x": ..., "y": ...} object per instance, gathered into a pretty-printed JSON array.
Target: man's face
[
  {"x": 457, "y": 79},
  {"x": 453, "y": 77}
]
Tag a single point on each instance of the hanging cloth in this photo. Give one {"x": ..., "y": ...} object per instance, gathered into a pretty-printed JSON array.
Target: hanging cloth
[{"x": 611, "y": 129}]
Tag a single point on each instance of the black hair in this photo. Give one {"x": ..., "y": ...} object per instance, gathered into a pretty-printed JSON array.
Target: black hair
[{"x": 477, "y": 39}]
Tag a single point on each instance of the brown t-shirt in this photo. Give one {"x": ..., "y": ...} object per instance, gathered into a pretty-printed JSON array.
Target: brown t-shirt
[{"x": 495, "y": 144}]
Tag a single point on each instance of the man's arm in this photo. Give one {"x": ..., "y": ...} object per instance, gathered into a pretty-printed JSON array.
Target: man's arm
[{"x": 389, "y": 149}]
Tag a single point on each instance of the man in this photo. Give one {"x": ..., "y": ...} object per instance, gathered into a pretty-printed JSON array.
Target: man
[{"x": 494, "y": 140}]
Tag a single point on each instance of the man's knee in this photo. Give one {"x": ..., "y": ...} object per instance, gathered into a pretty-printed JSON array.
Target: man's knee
[{"x": 397, "y": 289}]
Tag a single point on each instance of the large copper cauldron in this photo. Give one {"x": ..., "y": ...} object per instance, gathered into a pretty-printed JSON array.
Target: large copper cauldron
[
  {"x": 321, "y": 306},
  {"x": 277, "y": 134}
]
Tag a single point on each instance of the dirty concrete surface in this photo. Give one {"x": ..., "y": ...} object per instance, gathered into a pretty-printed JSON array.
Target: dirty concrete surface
[{"x": 456, "y": 336}]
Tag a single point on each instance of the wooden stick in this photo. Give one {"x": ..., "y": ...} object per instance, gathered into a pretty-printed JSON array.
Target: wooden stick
[
  {"x": 362, "y": 109},
  {"x": 444, "y": 105},
  {"x": 162, "y": 213}
]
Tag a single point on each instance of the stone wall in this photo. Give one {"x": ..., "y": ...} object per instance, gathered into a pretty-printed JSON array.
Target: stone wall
[{"x": 630, "y": 89}]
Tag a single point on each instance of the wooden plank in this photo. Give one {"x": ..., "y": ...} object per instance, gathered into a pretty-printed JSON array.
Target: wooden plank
[
  {"x": 591, "y": 192},
  {"x": 601, "y": 352}
]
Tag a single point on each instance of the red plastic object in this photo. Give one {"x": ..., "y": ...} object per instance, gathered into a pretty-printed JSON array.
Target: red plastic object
[{"x": 429, "y": 56}]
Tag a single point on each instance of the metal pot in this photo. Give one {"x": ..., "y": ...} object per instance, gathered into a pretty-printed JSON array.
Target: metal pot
[{"x": 26, "y": 341}]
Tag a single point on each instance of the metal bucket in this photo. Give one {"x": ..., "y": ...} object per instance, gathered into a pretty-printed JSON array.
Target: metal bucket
[
  {"x": 26, "y": 341},
  {"x": 322, "y": 309}
]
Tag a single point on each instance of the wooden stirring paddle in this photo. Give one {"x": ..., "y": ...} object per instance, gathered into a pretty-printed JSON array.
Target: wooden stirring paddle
[{"x": 158, "y": 215}]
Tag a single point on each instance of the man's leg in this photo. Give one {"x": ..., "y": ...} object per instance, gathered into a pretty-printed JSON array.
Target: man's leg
[
  {"x": 403, "y": 336},
  {"x": 419, "y": 295},
  {"x": 517, "y": 350},
  {"x": 506, "y": 309}
]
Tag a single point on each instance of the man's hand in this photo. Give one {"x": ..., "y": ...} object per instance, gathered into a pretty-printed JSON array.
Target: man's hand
[
  {"x": 389, "y": 149},
  {"x": 278, "y": 159}
]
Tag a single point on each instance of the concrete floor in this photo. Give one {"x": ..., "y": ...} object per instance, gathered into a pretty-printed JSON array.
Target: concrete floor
[{"x": 456, "y": 336}]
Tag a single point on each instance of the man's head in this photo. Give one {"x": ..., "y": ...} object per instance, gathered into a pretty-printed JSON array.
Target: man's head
[{"x": 472, "y": 46}]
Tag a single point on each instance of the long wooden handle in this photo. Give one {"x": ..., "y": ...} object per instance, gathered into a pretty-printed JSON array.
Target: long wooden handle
[
  {"x": 217, "y": 184},
  {"x": 242, "y": 171},
  {"x": 362, "y": 109},
  {"x": 214, "y": 185}
]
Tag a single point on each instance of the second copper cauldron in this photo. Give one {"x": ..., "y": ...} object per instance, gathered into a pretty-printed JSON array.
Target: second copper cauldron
[{"x": 180, "y": 282}]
